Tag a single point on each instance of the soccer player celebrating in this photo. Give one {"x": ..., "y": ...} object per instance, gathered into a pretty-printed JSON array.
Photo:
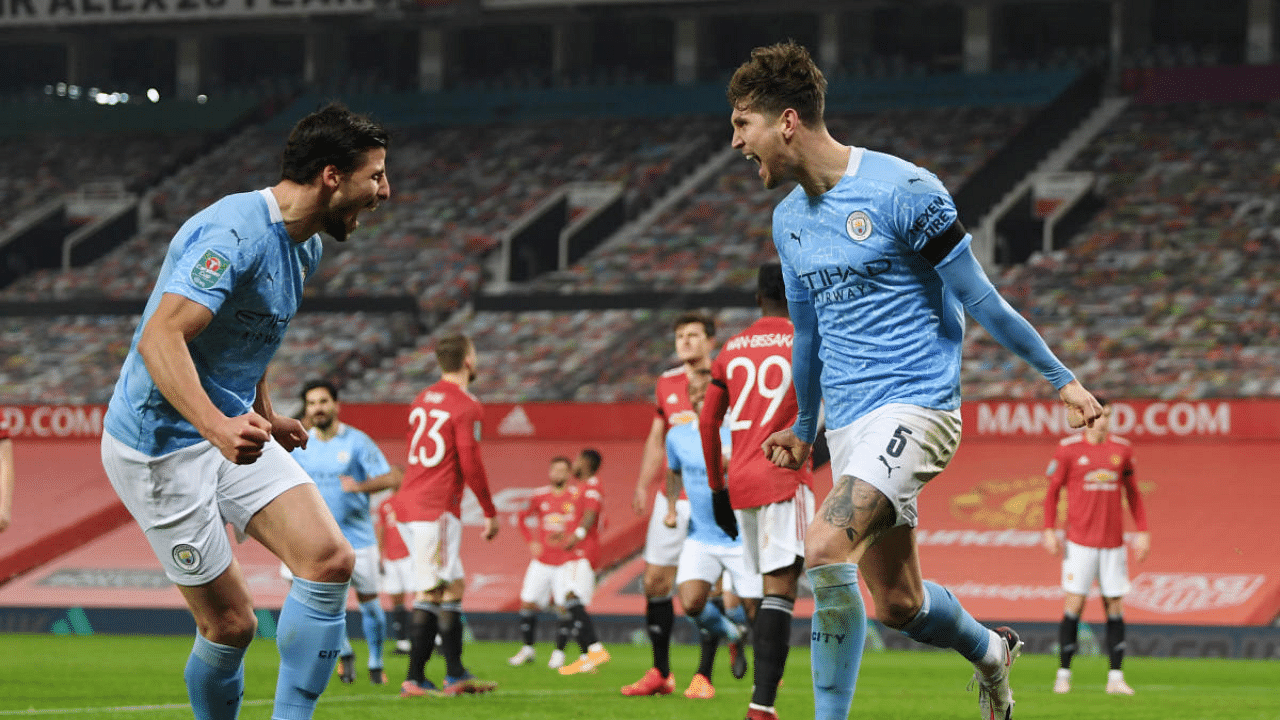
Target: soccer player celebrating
[
  {"x": 191, "y": 441},
  {"x": 1094, "y": 466},
  {"x": 695, "y": 333},
  {"x": 444, "y": 454},
  {"x": 710, "y": 550},
  {"x": 878, "y": 272},
  {"x": 347, "y": 465},
  {"x": 752, "y": 374}
]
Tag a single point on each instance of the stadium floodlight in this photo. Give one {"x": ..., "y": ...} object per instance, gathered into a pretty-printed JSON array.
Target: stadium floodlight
[
  {"x": 60, "y": 89},
  {"x": 153, "y": 95},
  {"x": 202, "y": 99},
  {"x": 73, "y": 92}
]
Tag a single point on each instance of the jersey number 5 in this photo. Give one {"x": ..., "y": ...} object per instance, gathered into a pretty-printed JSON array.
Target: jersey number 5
[
  {"x": 417, "y": 452},
  {"x": 758, "y": 380}
]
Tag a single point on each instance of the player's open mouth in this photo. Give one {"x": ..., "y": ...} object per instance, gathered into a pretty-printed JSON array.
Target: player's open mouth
[{"x": 753, "y": 158}]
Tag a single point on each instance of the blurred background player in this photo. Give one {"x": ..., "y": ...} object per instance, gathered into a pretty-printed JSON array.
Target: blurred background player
[
  {"x": 191, "y": 441},
  {"x": 694, "y": 335},
  {"x": 347, "y": 466},
  {"x": 752, "y": 375},
  {"x": 709, "y": 550},
  {"x": 545, "y": 522},
  {"x": 444, "y": 456},
  {"x": 1094, "y": 466},
  {"x": 578, "y": 575},
  {"x": 878, "y": 272},
  {"x": 7, "y": 473},
  {"x": 395, "y": 571}
]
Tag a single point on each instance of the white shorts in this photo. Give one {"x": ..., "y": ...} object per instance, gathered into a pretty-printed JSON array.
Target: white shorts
[
  {"x": 364, "y": 576},
  {"x": 700, "y": 561},
  {"x": 396, "y": 576},
  {"x": 773, "y": 534},
  {"x": 662, "y": 544},
  {"x": 896, "y": 448},
  {"x": 184, "y": 500},
  {"x": 544, "y": 584},
  {"x": 434, "y": 551},
  {"x": 576, "y": 577},
  {"x": 1081, "y": 565}
]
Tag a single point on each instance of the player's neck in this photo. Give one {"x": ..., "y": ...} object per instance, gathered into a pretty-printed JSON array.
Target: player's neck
[
  {"x": 692, "y": 366},
  {"x": 461, "y": 378},
  {"x": 329, "y": 433},
  {"x": 300, "y": 209},
  {"x": 822, "y": 162},
  {"x": 1095, "y": 438}
]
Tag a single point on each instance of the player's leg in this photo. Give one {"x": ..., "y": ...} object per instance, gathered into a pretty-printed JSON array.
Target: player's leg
[
  {"x": 851, "y": 518},
  {"x": 1080, "y": 566},
  {"x": 373, "y": 619},
  {"x": 535, "y": 592},
  {"x": 457, "y": 678},
  {"x": 299, "y": 529},
  {"x": 773, "y": 549},
  {"x": 1068, "y": 639},
  {"x": 423, "y": 539},
  {"x": 1113, "y": 581},
  {"x": 564, "y": 633},
  {"x": 196, "y": 555},
  {"x": 661, "y": 555},
  {"x": 574, "y": 588},
  {"x": 706, "y": 616},
  {"x": 748, "y": 588},
  {"x": 929, "y": 613}
]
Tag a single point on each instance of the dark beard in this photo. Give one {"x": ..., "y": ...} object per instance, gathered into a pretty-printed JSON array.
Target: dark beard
[
  {"x": 336, "y": 227},
  {"x": 323, "y": 425}
]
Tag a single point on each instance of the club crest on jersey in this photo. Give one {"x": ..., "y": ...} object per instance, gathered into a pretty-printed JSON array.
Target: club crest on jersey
[
  {"x": 186, "y": 556},
  {"x": 212, "y": 266},
  {"x": 858, "y": 225}
]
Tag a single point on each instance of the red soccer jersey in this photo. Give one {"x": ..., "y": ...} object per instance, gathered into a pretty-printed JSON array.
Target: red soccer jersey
[
  {"x": 588, "y": 498},
  {"x": 554, "y": 513},
  {"x": 393, "y": 547},
  {"x": 673, "y": 406},
  {"x": 1094, "y": 476},
  {"x": 444, "y": 454},
  {"x": 751, "y": 379}
]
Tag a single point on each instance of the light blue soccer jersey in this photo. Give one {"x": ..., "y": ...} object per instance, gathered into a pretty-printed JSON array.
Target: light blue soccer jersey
[
  {"x": 891, "y": 332},
  {"x": 352, "y": 453},
  {"x": 684, "y": 455},
  {"x": 235, "y": 258}
]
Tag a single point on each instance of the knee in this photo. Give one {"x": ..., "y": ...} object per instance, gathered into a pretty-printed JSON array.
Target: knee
[
  {"x": 898, "y": 609},
  {"x": 692, "y": 603},
  {"x": 234, "y": 627},
  {"x": 657, "y": 584},
  {"x": 334, "y": 563}
]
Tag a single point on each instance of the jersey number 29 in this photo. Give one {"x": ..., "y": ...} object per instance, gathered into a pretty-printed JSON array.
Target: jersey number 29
[{"x": 757, "y": 381}]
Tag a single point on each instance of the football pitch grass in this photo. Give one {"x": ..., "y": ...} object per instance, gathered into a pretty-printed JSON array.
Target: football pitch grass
[{"x": 54, "y": 676}]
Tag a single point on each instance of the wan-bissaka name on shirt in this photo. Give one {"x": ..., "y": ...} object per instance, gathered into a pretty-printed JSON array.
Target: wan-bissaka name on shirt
[{"x": 759, "y": 341}]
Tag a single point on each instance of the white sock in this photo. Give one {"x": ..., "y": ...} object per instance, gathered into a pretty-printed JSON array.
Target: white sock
[
  {"x": 1064, "y": 673},
  {"x": 1113, "y": 675},
  {"x": 991, "y": 663}
]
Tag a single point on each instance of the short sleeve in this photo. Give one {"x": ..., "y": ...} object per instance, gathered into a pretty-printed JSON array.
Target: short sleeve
[
  {"x": 924, "y": 212},
  {"x": 212, "y": 259}
]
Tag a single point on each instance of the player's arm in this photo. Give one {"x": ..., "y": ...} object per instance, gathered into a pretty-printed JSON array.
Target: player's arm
[
  {"x": 288, "y": 431},
  {"x": 163, "y": 346},
  {"x": 964, "y": 276},
  {"x": 1141, "y": 538},
  {"x": 522, "y": 522},
  {"x": 790, "y": 448},
  {"x": 1058, "y": 468},
  {"x": 675, "y": 483},
  {"x": 714, "y": 406},
  {"x": 473, "y": 473},
  {"x": 388, "y": 480},
  {"x": 589, "y": 517},
  {"x": 650, "y": 462},
  {"x": 7, "y": 474}
]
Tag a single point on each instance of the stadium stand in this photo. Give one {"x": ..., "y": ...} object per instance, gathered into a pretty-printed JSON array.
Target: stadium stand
[{"x": 1170, "y": 291}]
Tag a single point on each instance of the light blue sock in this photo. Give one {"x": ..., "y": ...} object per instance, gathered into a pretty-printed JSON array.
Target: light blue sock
[
  {"x": 943, "y": 622},
  {"x": 346, "y": 650},
  {"x": 836, "y": 641},
  {"x": 712, "y": 621},
  {"x": 374, "y": 621},
  {"x": 215, "y": 680},
  {"x": 738, "y": 614},
  {"x": 309, "y": 634}
]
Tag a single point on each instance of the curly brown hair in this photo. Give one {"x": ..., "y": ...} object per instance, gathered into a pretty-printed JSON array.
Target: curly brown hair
[{"x": 778, "y": 77}]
